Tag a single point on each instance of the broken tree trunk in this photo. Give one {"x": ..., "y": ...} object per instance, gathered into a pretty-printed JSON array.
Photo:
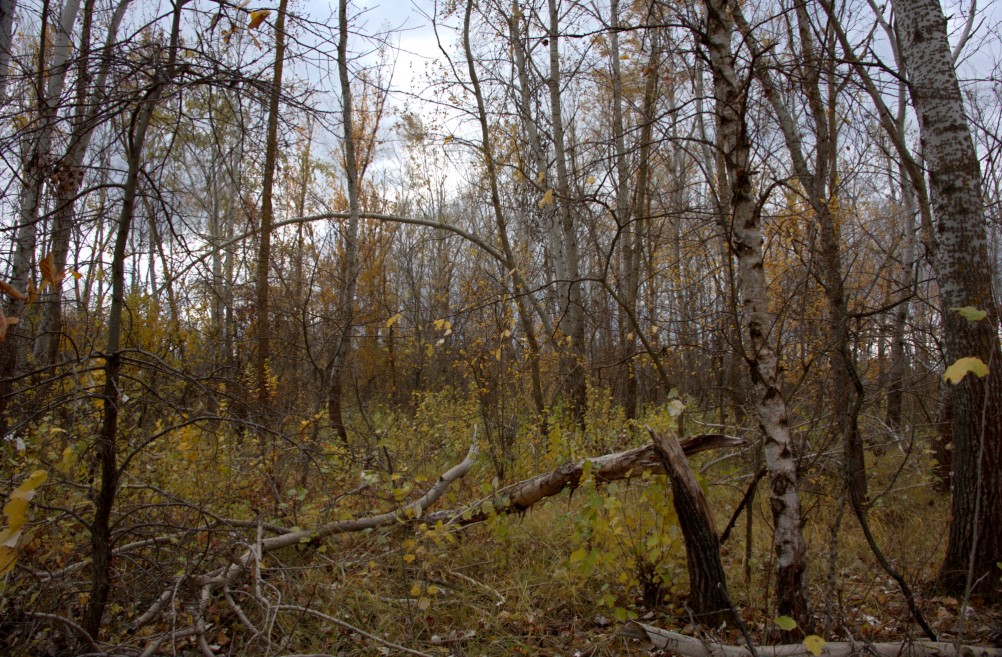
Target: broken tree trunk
[
  {"x": 518, "y": 497},
  {"x": 686, "y": 646},
  {"x": 707, "y": 582}
]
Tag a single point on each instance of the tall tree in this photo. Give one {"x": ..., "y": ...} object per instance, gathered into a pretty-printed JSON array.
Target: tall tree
[
  {"x": 262, "y": 280},
  {"x": 964, "y": 273},
  {"x": 574, "y": 365},
  {"x": 518, "y": 282},
  {"x": 349, "y": 260}
]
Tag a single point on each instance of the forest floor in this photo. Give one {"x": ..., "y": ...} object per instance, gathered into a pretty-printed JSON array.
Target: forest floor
[{"x": 563, "y": 578}]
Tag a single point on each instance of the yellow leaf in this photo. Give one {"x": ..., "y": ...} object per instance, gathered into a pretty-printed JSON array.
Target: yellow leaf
[
  {"x": 814, "y": 644},
  {"x": 785, "y": 623},
  {"x": 409, "y": 558},
  {"x": 36, "y": 479},
  {"x": 547, "y": 199},
  {"x": 447, "y": 139},
  {"x": 964, "y": 366},
  {"x": 416, "y": 589},
  {"x": 540, "y": 177},
  {"x": 7, "y": 558},
  {"x": 257, "y": 17},
  {"x": 392, "y": 320},
  {"x": 971, "y": 313},
  {"x": 76, "y": 275},
  {"x": 16, "y": 511},
  {"x": 69, "y": 457}
]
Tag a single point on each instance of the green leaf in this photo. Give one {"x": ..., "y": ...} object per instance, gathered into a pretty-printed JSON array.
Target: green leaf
[
  {"x": 814, "y": 643},
  {"x": 971, "y": 313},
  {"x": 785, "y": 623},
  {"x": 964, "y": 366}
]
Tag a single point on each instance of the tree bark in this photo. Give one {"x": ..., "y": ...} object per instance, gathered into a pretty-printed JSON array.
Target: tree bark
[
  {"x": 570, "y": 326},
  {"x": 963, "y": 271},
  {"x": 7, "y": 9}
]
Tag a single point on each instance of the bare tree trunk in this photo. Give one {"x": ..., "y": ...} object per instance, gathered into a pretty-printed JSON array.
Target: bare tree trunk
[
  {"x": 349, "y": 262},
  {"x": 7, "y": 9},
  {"x": 963, "y": 270},
  {"x": 733, "y": 141},
  {"x": 48, "y": 88},
  {"x": 899, "y": 365},
  {"x": 262, "y": 321},
  {"x": 573, "y": 361}
]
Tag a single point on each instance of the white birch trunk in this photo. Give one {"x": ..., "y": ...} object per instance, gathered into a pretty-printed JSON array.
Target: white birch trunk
[{"x": 732, "y": 139}]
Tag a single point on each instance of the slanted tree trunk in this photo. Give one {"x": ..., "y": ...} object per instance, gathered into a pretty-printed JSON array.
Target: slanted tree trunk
[
  {"x": 107, "y": 440},
  {"x": 963, "y": 271},
  {"x": 730, "y": 94},
  {"x": 500, "y": 222},
  {"x": 707, "y": 582}
]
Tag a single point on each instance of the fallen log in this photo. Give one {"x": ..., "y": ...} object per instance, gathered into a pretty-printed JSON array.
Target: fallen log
[
  {"x": 687, "y": 646},
  {"x": 520, "y": 496}
]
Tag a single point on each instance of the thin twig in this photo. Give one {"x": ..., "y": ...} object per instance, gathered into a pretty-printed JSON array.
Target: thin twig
[{"x": 351, "y": 628}]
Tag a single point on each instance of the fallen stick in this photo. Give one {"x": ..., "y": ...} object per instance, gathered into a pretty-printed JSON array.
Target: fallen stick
[{"x": 689, "y": 647}]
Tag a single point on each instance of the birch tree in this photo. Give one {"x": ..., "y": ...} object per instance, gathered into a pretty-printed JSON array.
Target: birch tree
[{"x": 731, "y": 96}]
